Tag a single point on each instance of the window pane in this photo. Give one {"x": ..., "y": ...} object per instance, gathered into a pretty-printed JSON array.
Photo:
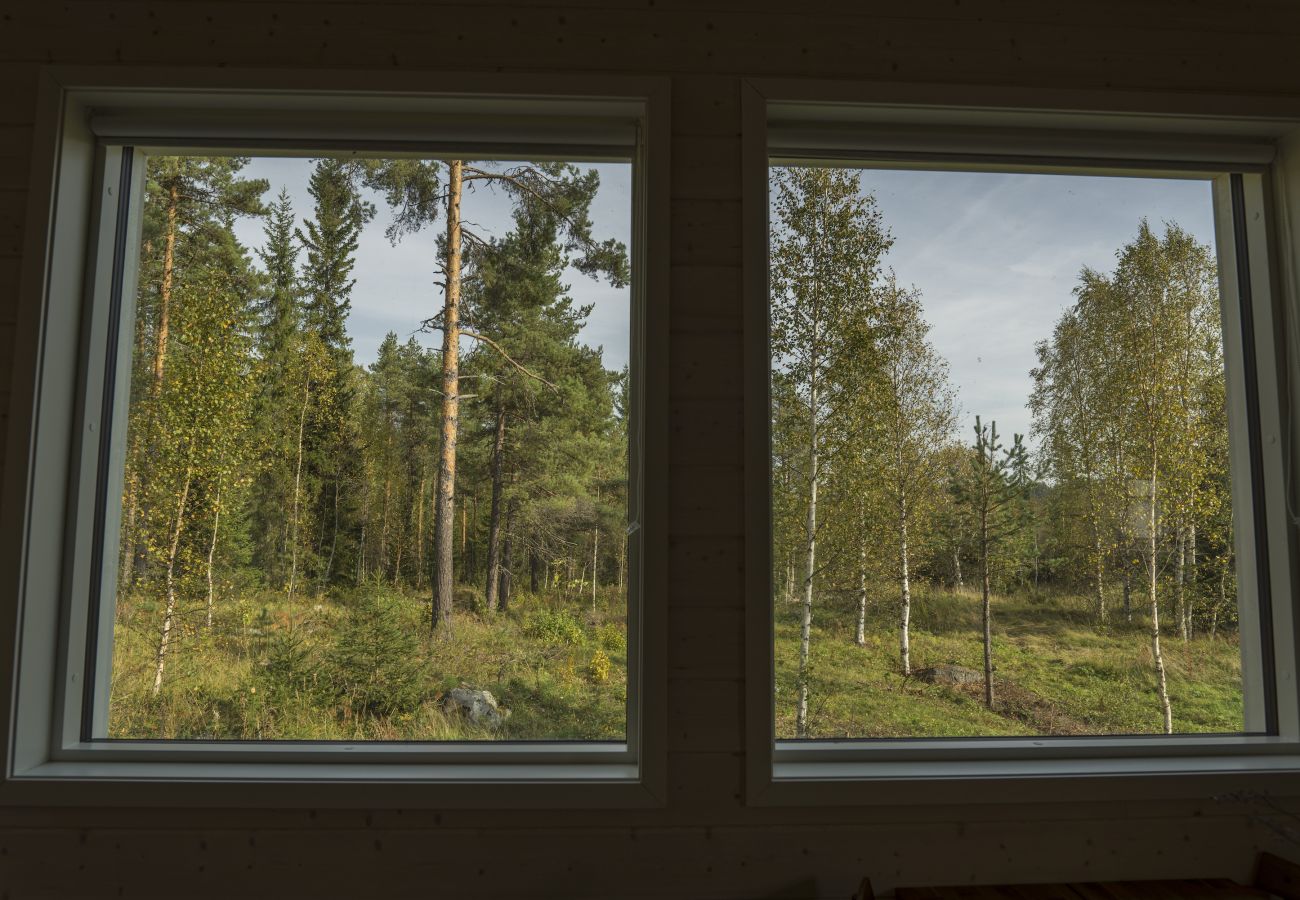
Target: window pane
[
  {"x": 1000, "y": 469},
  {"x": 337, "y": 524}
]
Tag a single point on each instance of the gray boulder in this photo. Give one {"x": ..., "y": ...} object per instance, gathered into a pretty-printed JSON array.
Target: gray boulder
[
  {"x": 950, "y": 675},
  {"x": 480, "y": 707}
]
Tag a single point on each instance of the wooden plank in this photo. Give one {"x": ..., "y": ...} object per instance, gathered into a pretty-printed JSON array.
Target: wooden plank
[{"x": 1277, "y": 875}]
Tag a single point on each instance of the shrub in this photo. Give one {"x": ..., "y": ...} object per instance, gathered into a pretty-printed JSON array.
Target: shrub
[
  {"x": 289, "y": 669},
  {"x": 598, "y": 668},
  {"x": 612, "y": 638},
  {"x": 555, "y": 627},
  {"x": 374, "y": 667}
]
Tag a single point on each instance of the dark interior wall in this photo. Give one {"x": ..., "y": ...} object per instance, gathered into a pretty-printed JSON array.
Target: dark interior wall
[{"x": 705, "y": 842}]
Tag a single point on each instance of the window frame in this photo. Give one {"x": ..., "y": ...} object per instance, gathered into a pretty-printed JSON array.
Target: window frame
[
  {"x": 1003, "y": 129},
  {"x": 78, "y": 262}
]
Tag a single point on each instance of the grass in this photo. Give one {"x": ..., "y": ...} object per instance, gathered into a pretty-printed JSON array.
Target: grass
[
  {"x": 365, "y": 666},
  {"x": 1055, "y": 671}
]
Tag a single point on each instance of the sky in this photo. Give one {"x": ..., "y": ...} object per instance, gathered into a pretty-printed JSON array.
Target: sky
[
  {"x": 394, "y": 288},
  {"x": 996, "y": 256}
]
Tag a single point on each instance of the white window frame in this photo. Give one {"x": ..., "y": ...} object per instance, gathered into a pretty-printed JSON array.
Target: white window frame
[
  {"x": 995, "y": 129},
  {"x": 75, "y": 266}
]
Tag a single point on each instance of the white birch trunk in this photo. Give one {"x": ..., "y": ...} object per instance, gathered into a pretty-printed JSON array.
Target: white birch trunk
[
  {"x": 169, "y": 612},
  {"x": 805, "y": 628},
  {"x": 1162, "y": 685},
  {"x": 905, "y": 586}
]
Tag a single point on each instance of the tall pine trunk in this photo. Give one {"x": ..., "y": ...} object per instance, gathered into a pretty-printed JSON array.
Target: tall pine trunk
[
  {"x": 494, "y": 521},
  {"x": 507, "y": 547},
  {"x": 445, "y": 504}
]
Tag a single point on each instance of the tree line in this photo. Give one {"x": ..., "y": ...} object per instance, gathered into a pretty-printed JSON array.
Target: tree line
[
  {"x": 262, "y": 457},
  {"x": 1125, "y": 498}
]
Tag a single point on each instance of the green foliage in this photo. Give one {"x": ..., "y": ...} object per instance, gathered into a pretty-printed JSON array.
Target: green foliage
[
  {"x": 375, "y": 665},
  {"x": 555, "y": 627}
]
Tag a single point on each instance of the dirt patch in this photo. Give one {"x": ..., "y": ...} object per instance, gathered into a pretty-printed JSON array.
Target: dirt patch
[{"x": 1023, "y": 705}]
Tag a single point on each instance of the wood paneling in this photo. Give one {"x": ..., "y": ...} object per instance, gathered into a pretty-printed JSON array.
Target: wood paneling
[{"x": 706, "y": 842}]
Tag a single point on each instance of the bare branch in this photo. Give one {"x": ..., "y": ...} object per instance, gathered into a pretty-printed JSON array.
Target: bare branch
[{"x": 506, "y": 356}]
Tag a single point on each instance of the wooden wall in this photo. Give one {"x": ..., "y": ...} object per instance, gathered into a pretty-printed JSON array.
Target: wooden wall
[{"x": 706, "y": 843}]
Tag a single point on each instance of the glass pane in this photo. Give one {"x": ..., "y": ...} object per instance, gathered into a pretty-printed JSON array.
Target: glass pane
[
  {"x": 1000, "y": 468},
  {"x": 338, "y": 522}
]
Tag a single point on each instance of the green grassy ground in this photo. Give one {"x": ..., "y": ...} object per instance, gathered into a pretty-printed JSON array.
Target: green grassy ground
[
  {"x": 1056, "y": 672},
  {"x": 366, "y": 667}
]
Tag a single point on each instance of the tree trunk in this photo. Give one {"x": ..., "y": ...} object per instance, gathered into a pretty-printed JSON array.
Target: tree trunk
[
  {"x": 1180, "y": 585},
  {"x": 810, "y": 561},
  {"x": 419, "y": 535},
  {"x": 1127, "y": 581},
  {"x": 905, "y": 590},
  {"x": 861, "y": 639},
  {"x": 297, "y": 495},
  {"x": 212, "y": 551},
  {"x": 1100, "y": 576},
  {"x": 445, "y": 507},
  {"x": 958, "y": 584},
  {"x": 165, "y": 290},
  {"x": 534, "y": 571},
  {"x": 494, "y": 520},
  {"x": 985, "y": 611},
  {"x": 506, "y": 552},
  {"x": 128, "y": 531},
  {"x": 595, "y": 548},
  {"x": 1192, "y": 582},
  {"x": 169, "y": 612},
  {"x": 328, "y": 571},
  {"x": 1162, "y": 686}
]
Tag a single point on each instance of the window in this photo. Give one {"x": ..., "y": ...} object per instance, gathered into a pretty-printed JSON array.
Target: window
[
  {"x": 358, "y": 403},
  {"x": 1020, "y": 439}
]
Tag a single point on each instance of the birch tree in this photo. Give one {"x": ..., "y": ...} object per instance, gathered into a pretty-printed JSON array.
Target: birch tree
[{"x": 825, "y": 265}]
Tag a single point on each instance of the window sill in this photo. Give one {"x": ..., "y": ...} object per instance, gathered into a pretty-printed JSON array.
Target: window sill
[{"x": 1040, "y": 772}]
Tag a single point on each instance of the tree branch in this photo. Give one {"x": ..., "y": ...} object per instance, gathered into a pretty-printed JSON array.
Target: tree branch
[{"x": 506, "y": 356}]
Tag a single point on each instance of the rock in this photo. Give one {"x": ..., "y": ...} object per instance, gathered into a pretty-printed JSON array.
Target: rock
[
  {"x": 480, "y": 707},
  {"x": 950, "y": 675}
]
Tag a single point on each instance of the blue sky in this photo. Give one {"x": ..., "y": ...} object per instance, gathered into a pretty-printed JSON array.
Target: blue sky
[
  {"x": 996, "y": 257},
  {"x": 394, "y": 285}
]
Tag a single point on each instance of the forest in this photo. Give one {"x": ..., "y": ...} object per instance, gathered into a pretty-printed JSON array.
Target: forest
[
  {"x": 429, "y": 546},
  {"x": 934, "y": 578}
]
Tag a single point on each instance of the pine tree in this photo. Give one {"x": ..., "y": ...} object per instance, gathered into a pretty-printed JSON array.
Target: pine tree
[
  {"x": 992, "y": 490},
  {"x": 556, "y": 197},
  {"x": 330, "y": 240}
]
